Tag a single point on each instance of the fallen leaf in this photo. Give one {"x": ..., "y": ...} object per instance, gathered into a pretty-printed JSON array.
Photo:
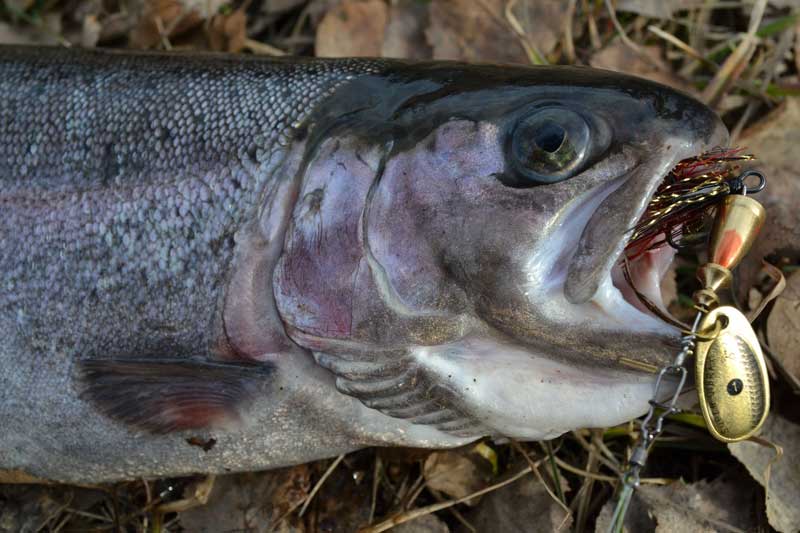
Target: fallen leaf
[
  {"x": 46, "y": 33},
  {"x": 621, "y": 58},
  {"x": 227, "y": 33},
  {"x": 783, "y": 326},
  {"x": 542, "y": 22},
  {"x": 783, "y": 496},
  {"x": 521, "y": 506},
  {"x": 689, "y": 508},
  {"x": 405, "y": 32},
  {"x": 773, "y": 140},
  {"x": 659, "y": 9},
  {"x": 473, "y": 30},
  {"x": 170, "y": 19},
  {"x": 456, "y": 473},
  {"x": 252, "y": 502},
  {"x": 424, "y": 524},
  {"x": 354, "y": 28}
]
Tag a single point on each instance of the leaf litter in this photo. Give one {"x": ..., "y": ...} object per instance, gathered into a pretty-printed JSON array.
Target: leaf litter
[{"x": 741, "y": 57}]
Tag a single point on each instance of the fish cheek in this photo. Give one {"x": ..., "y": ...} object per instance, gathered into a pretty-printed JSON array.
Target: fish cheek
[{"x": 423, "y": 212}]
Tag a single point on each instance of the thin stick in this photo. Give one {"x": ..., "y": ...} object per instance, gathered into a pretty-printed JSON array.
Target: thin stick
[
  {"x": 527, "y": 457},
  {"x": 677, "y": 42},
  {"x": 257, "y": 47},
  {"x": 376, "y": 481},
  {"x": 627, "y": 40},
  {"x": 569, "y": 42},
  {"x": 316, "y": 488},
  {"x": 422, "y": 511}
]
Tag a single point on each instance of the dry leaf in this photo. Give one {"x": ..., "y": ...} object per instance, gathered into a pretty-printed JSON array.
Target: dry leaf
[
  {"x": 620, "y": 57},
  {"x": 773, "y": 141},
  {"x": 170, "y": 19},
  {"x": 405, "y": 32},
  {"x": 542, "y": 22},
  {"x": 424, "y": 524},
  {"x": 659, "y": 9},
  {"x": 354, "y": 28},
  {"x": 473, "y": 30},
  {"x": 783, "y": 498},
  {"x": 252, "y": 502},
  {"x": 700, "y": 507},
  {"x": 456, "y": 473},
  {"x": 783, "y": 326},
  {"x": 227, "y": 33},
  {"x": 521, "y": 506},
  {"x": 44, "y": 34}
]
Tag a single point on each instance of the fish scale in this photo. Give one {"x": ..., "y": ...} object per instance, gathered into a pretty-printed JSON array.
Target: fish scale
[{"x": 136, "y": 172}]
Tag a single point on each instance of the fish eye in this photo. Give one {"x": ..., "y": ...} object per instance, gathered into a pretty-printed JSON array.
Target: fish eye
[{"x": 550, "y": 145}]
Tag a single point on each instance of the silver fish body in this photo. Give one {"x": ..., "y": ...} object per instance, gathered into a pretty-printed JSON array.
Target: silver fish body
[{"x": 299, "y": 258}]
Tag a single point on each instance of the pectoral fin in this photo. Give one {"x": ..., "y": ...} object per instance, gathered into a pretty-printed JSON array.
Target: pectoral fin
[{"x": 165, "y": 395}]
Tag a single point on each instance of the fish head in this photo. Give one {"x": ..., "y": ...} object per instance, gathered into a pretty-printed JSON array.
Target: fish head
[{"x": 487, "y": 210}]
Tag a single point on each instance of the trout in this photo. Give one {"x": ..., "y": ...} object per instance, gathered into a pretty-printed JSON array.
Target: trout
[{"x": 290, "y": 259}]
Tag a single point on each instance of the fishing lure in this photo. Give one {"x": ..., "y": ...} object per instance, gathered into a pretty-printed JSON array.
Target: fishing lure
[{"x": 730, "y": 370}]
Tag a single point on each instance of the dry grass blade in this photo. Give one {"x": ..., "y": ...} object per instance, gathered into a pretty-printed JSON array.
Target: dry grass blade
[
  {"x": 732, "y": 67},
  {"x": 258, "y": 47},
  {"x": 422, "y": 511},
  {"x": 533, "y": 466},
  {"x": 533, "y": 53},
  {"x": 677, "y": 43},
  {"x": 319, "y": 484}
]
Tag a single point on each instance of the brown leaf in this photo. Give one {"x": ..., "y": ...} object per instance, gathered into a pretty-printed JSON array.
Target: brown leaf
[
  {"x": 783, "y": 326},
  {"x": 620, "y": 57},
  {"x": 45, "y": 33},
  {"x": 774, "y": 141},
  {"x": 456, "y": 473},
  {"x": 660, "y": 9},
  {"x": 354, "y": 28},
  {"x": 405, "y": 32},
  {"x": 163, "y": 19},
  {"x": 227, "y": 33},
  {"x": 473, "y": 30},
  {"x": 542, "y": 21},
  {"x": 522, "y": 506},
  {"x": 679, "y": 507},
  {"x": 252, "y": 502},
  {"x": 783, "y": 497}
]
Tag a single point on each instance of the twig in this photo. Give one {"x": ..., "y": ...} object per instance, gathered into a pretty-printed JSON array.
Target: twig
[
  {"x": 627, "y": 40},
  {"x": 422, "y": 511},
  {"x": 316, "y": 488},
  {"x": 569, "y": 43},
  {"x": 533, "y": 466},
  {"x": 677, "y": 43},
  {"x": 454, "y": 511},
  {"x": 376, "y": 481},
  {"x": 257, "y": 47},
  {"x": 534, "y": 54}
]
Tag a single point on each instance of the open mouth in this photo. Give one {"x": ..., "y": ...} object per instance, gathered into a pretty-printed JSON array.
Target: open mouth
[{"x": 678, "y": 216}]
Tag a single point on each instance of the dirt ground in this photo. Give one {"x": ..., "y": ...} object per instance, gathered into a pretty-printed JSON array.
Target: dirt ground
[{"x": 740, "y": 57}]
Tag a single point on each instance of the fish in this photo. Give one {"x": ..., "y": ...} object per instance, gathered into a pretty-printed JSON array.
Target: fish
[{"x": 214, "y": 263}]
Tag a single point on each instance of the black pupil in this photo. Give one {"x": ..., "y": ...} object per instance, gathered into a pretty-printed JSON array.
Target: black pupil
[
  {"x": 735, "y": 386},
  {"x": 550, "y": 137}
]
